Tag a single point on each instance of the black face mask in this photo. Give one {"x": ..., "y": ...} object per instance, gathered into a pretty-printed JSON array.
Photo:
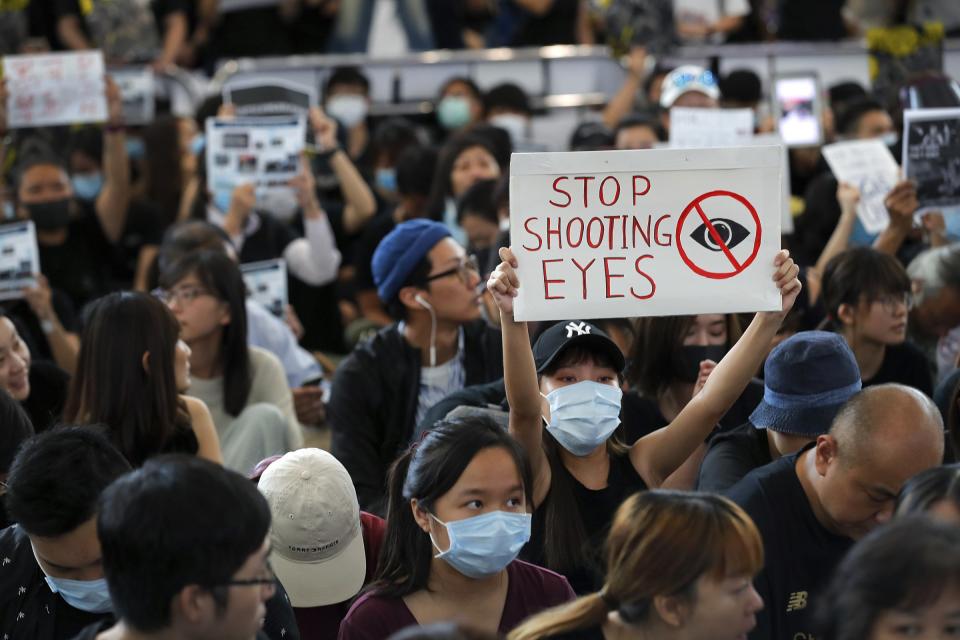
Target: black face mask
[
  {"x": 688, "y": 366},
  {"x": 49, "y": 216}
]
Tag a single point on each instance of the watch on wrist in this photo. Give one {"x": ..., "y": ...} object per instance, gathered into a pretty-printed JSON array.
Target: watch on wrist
[{"x": 47, "y": 326}]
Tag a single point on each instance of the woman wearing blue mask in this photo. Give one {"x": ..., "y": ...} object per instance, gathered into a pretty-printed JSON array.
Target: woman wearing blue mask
[
  {"x": 456, "y": 521},
  {"x": 582, "y": 474}
]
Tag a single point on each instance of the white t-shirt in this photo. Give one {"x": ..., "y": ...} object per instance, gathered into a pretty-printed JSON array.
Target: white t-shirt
[{"x": 706, "y": 12}]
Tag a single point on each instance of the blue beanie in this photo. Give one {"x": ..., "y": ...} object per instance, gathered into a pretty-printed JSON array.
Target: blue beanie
[{"x": 399, "y": 252}]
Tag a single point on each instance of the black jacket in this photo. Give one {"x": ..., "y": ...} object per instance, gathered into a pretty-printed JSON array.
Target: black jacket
[{"x": 373, "y": 403}]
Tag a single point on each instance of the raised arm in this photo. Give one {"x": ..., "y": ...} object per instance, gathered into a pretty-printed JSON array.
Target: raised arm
[
  {"x": 621, "y": 104},
  {"x": 659, "y": 454},
  {"x": 520, "y": 374},
  {"x": 901, "y": 203},
  {"x": 359, "y": 203},
  {"x": 114, "y": 198},
  {"x": 848, "y": 196}
]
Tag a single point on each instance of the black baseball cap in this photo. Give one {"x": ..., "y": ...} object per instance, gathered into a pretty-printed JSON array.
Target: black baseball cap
[{"x": 562, "y": 335}]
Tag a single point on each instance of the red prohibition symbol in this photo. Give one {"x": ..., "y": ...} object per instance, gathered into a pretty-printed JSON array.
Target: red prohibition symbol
[{"x": 736, "y": 266}]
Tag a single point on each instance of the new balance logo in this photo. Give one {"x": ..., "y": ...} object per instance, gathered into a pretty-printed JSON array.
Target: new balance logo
[
  {"x": 797, "y": 601},
  {"x": 579, "y": 328}
]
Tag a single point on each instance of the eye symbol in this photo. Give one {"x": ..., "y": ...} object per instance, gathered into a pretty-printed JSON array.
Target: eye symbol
[{"x": 730, "y": 232}]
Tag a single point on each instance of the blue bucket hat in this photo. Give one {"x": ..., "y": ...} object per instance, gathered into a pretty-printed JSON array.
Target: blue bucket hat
[
  {"x": 398, "y": 253},
  {"x": 807, "y": 378}
]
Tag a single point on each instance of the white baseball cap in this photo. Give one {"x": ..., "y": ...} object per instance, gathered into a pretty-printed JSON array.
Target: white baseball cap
[
  {"x": 687, "y": 78},
  {"x": 317, "y": 540}
]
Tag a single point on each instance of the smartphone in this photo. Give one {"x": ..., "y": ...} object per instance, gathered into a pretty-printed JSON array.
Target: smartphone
[
  {"x": 797, "y": 107},
  {"x": 313, "y": 382}
]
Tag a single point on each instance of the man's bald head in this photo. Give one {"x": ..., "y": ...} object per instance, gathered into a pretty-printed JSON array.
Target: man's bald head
[
  {"x": 885, "y": 420},
  {"x": 880, "y": 439}
]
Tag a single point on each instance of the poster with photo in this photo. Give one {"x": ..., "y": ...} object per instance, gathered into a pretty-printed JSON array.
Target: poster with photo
[
  {"x": 262, "y": 151},
  {"x": 931, "y": 155},
  {"x": 19, "y": 259},
  {"x": 267, "y": 284},
  {"x": 261, "y": 97},
  {"x": 136, "y": 86}
]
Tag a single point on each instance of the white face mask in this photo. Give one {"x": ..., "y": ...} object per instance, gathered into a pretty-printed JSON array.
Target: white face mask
[
  {"x": 513, "y": 123},
  {"x": 282, "y": 205},
  {"x": 350, "y": 109}
]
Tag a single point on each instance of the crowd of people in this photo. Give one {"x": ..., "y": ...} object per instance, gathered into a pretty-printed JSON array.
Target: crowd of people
[{"x": 394, "y": 455}]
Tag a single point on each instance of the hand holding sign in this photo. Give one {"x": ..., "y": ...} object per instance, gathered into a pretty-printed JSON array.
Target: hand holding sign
[
  {"x": 504, "y": 285},
  {"x": 901, "y": 203},
  {"x": 786, "y": 279},
  {"x": 324, "y": 129}
]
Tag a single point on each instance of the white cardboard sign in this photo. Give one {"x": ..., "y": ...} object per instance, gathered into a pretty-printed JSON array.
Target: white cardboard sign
[
  {"x": 601, "y": 234},
  {"x": 869, "y": 166},
  {"x": 55, "y": 88},
  {"x": 698, "y": 128}
]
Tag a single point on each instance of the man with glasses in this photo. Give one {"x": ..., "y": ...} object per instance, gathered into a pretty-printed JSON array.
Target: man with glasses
[
  {"x": 438, "y": 345},
  {"x": 185, "y": 547}
]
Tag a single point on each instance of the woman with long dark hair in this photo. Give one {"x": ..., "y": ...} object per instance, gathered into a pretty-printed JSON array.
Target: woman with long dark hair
[
  {"x": 131, "y": 371},
  {"x": 581, "y": 471},
  {"x": 244, "y": 387},
  {"x": 456, "y": 520}
]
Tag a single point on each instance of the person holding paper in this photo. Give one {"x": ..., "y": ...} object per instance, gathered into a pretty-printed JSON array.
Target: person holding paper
[
  {"x": 72, "y": 242},
  {"x": 570, "y": 382}
]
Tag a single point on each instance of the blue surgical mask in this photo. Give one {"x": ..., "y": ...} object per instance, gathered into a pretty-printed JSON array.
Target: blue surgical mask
[
  {"x": 890, "y": 139},
  {"x": 198, "y": 143},
  {"x": 221, "y": 199},
  {"x": 387, "y": 179},
  {"x": 91, "y": 596},
  {"x": 136, "y": 149},
  {"x": 484, "y": 545},
  {"x": 87, "y": 186},
  {"x": 453, "y": 112},
  {"x": 583, "y": 415}
]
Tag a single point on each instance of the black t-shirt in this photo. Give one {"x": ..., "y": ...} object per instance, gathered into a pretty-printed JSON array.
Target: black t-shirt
[
  {"x": 800, "y": 554},
  {"x": 731, "y": 456},
  {"x": 641, "y": 415},
  {"x": 376, "y": 231},
  {"x": 91, "y": 632},
  {"x": 557, "y": 26},
  {"x": 143, "y": 228},
  {"x": 596, "y": 509},
  {"x": 81, "y": 266},
  {"x": 587, "y": 633},
  {"x": 905, "y": 364},
  {"x": 811, "y": 20},
  {"x": 48, "y": 394}
]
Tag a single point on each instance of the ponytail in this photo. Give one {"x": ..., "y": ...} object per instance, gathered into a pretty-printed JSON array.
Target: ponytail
[
  {"x": 587, "y": 611},
  {"x": 404, "y": 563}
]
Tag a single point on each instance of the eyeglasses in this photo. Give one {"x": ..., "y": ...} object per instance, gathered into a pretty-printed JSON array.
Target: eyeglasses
[
  {"x": 464, "y": 270},
  {"x": 182, "y": 295},
  {"x": 705, "y": 78},
  {"x": 892, "y": 303},
  {"x": 269, "y": 579}
]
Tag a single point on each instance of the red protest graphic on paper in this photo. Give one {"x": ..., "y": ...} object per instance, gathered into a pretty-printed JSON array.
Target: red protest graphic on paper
[{"x": 718, "y": 234}]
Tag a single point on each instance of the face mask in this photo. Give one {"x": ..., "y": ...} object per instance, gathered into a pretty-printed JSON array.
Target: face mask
[
  {"x": 9, "y": 213},
  {"x": 688, "y": 367},
  {"x": 91, "y": 596},
  {"x": 583, "y": 415},
  {"x": 512, "y": 123},
  {"x": 221, "y": 199},
  {"x": 197, "y": 145},
  {"x": 350, "y": 110},
  {"x": 504, "y": 224},
  {"x": 387, "y": 179},
  {"x": 453, "y": 112},
  {"x": 136, "y": 149},
  {"x": 49, "y": 215},
  {"x": 484, "y": 545},
  {"x": 890, "y": 139},
  {"x": 281, "y": 204},
  {"x": 87, "y": 186}
]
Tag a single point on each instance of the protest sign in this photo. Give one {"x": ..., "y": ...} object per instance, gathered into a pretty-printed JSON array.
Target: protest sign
[
  {"x": 931, "y": 155},
  {"x": 55, "y": 88},
  {"x": 136, "y": 86},
  {"x": 264, "y": 152},
  {"x": 697, "y": 128},
  {"x": 600, "y": 234},
  {"x": 19, "y": 259},
  {"x": 869, "y": 166},
  {"x": 267, "y": 283},
  {"x": 262, "y": 97}
]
